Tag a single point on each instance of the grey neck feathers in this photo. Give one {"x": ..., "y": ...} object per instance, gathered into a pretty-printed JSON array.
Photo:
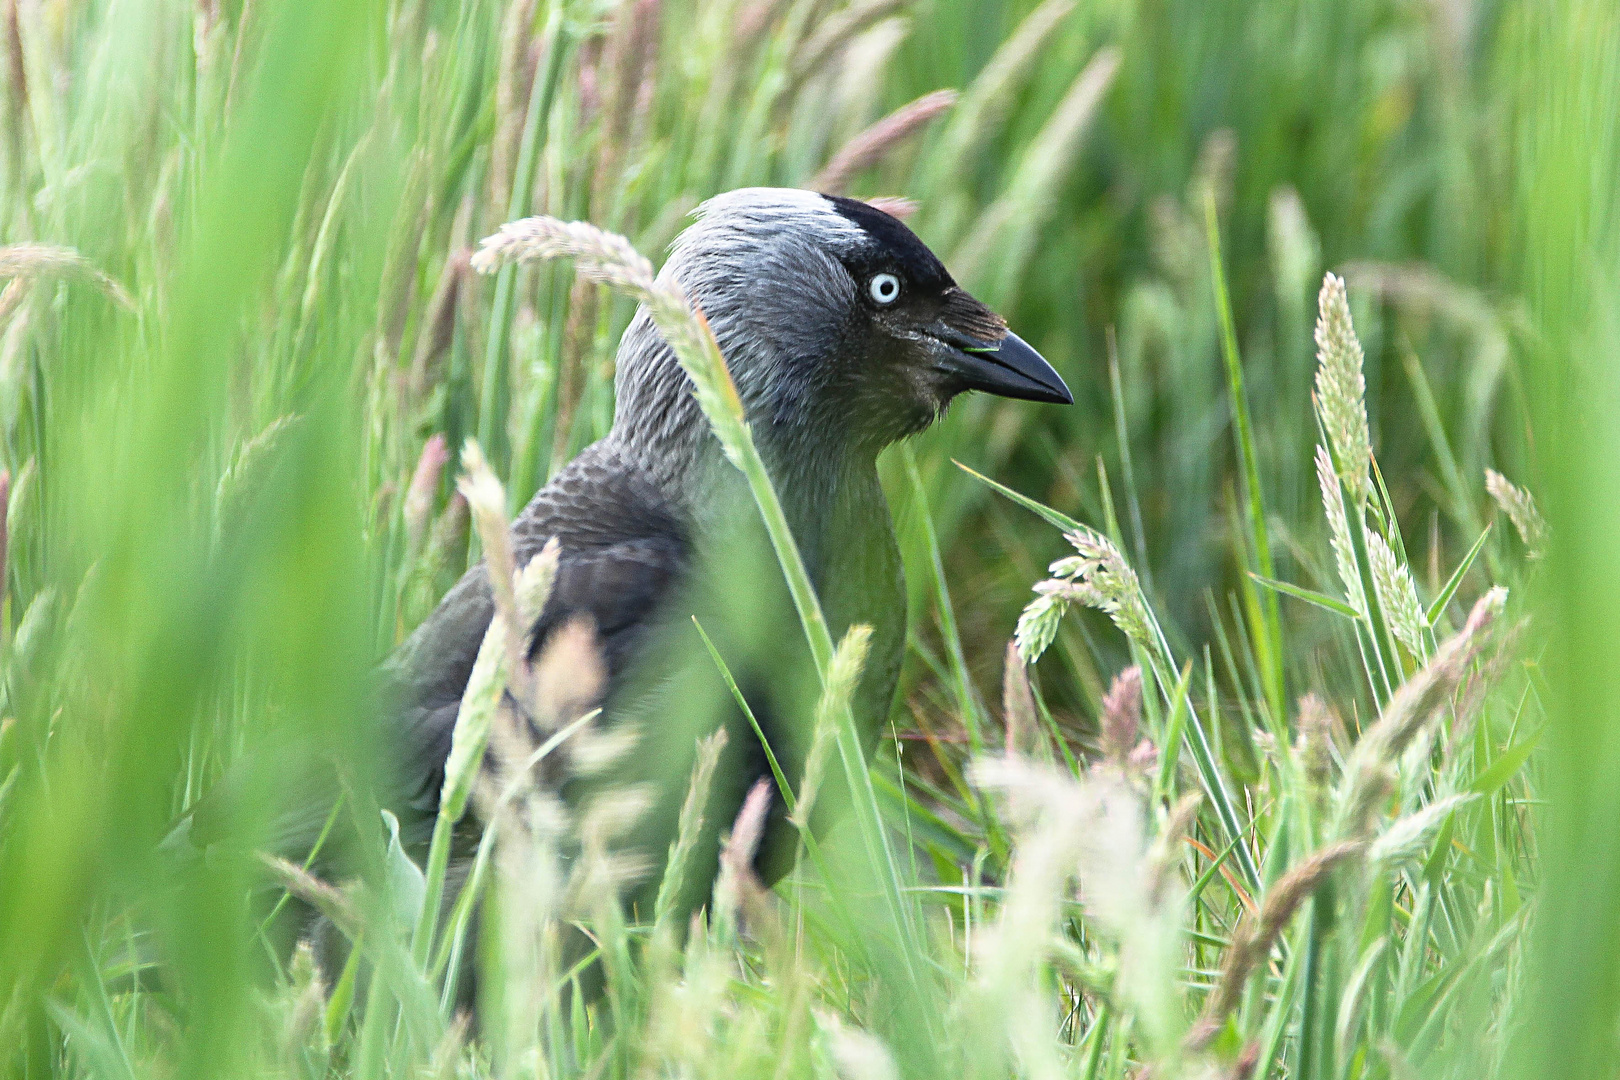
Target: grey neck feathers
[
  {"x": 827, "y": 482},
  {"x": 758, "y": 263}
]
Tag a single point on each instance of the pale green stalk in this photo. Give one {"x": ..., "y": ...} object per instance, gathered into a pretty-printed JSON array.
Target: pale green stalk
[
  {"x": 1268, "y": 637},
  {"x": 499, "y": 656},
  {"x": 495, "y": 399},
  {"x": 967, "y": 700}
]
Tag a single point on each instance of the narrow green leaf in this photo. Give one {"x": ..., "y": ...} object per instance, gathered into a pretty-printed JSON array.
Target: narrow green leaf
[
  {"x": 1268, "y": 639},
  {"x": 1056, "y": 517},
  {"x": 777, "y": 774},
  {"x": 1310, "y": 596},
  {"x": 1507, "y": 763},
  {"x": 1173, "y": 729},
  {"x": 1210, "y": 871},
  {"x": 1438, "y": 608},
  {"x": 495, "y": 397}
]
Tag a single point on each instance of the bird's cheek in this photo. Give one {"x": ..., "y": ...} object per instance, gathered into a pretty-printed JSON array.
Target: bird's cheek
[
  {"x": 932, "y": 373},
  {"x": 930, "y": 389}
]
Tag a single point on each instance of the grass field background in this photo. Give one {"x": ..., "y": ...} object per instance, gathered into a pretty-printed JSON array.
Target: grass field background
[{"x": 242, "y": 343}]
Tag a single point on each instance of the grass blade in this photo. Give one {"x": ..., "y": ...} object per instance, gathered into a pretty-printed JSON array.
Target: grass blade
[
  {"x": 1268, "y": 638},
  {"x": 1310, "y": 596},
  {"x": 1438, "y": 608}
]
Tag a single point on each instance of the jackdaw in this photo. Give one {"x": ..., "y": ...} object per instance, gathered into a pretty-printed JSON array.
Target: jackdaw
[{"x": 844, "y": 334}]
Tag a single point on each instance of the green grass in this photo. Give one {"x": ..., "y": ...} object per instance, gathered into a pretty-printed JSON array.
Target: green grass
[{"x": 256, "y": 310}]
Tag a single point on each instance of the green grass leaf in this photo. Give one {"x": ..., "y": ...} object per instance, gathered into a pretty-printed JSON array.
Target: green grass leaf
[
  {"x": 1506, "y": 766},
  {"x": 1310, "y": 596}
]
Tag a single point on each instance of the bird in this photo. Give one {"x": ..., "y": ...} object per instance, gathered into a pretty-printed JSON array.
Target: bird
[{"x": 844, "y": 334}]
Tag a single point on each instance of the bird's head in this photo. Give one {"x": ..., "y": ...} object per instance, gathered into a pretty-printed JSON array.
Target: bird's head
[{"x": 834, "y": 318}]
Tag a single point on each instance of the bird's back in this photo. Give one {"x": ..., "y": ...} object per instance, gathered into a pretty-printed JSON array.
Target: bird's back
[
  {"x": 643, "y": 567},
  {"x": 623, "y": 550}
]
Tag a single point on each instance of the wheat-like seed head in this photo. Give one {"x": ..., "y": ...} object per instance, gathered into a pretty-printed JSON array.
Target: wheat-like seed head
[
  {"x": 896, "y": 206},
  {"x": 843, "y": 675},
  {"x": 1093, "y": 830},
  {"x": 832, "y": 35},
  {"x": 856, "y": 1054},
  {"x": 424, "y": 483},
  {"x": 873, "y": 144},
  {"x": 1252, "y": 942},
  {"x": 1122, "y": 716},
  {"x": 1344, "y": 555},
  {"x": 736, "y": 885},
  {"x": 688, "y": 828},
  {"x": 239, "y": 476},
  {"x": 984, "y": 111},
  {"x": 1397, "y": 593},
  {"x": 1316, "y": 725},
  {"x": 32, "y": 260},
  {"x": 1520, "y": 508},
  {"x": 612, "y": 260},
  {"x": 1408, "y": 840},
  {"x": 599, "y": 255},
  {"x": 1024, "y": 734},
  {"x": 1296, "y": 254},
  {"x": 308, "y": 993},
  {"x": 1370, "y": 772},
  {"x": 1341, "y": 389},
  {"x": 1098, "y": 577},
  {"x": 487, "y": 499}
]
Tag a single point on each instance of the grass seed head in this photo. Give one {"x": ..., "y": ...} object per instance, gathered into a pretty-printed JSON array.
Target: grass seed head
[
  {"x": 599, "y": 255},
  {"x": 872, "y": 145},
  {"x": 1520, "y": 507},
  {"x": 612, "y": 260},
  {"x": 424, "y": 487},
  {"x": 1122, "y": 716},
  {"x": 984, "y": 110},
  {"x": 856, "y": 1054},
  {"x": 1316, "y": 725},
  {"x": 1252, "y": 942},
  {"x": 30, "y": 260},
  {"x": 1341, "y": 389},
  {"x": 1407, "y": 841},
  {"x": 1097, "y": 577},
  {"x": 834, "y": 34},
  {"x": 1344, "y": 556},
  {"x": 1371, "y": 772},
  {"x": 843, "y": 676},
  {"x": 1397, "y": 593},
  {"x": 896, "y": 206},
  {"x": 1024, "y": 734},
  {"x": 689, "y": 827},
  {"x": 737, "y": 887},
  {"x": 1296, "y": 253}
]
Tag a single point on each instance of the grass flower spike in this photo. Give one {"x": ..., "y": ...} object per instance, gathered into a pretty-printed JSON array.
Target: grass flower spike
[
  {"x": 1344, "y": 555},
  {"x": 1397, "y": 593},
  {"x": 1520, "y": 508},
  {"x": 1098, "y": 577},
  {"x": 1341, "y": 389}
]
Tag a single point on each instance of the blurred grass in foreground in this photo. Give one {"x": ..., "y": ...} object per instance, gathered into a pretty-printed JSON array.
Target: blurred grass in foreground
[{"x": 239, "y": 332}]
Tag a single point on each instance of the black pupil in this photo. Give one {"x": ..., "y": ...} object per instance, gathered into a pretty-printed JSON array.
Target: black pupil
[{"x": 887, "y": 287}]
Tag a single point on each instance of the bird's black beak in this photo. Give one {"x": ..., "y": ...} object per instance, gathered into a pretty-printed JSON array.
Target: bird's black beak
[{"x": 1009, "y": 368}]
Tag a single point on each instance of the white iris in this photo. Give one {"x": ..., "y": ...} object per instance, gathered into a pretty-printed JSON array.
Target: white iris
[{"x": 885, "y": 288}]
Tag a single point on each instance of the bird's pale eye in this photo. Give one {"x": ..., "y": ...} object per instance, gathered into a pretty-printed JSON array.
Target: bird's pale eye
[{"x": 885, "y": 288}]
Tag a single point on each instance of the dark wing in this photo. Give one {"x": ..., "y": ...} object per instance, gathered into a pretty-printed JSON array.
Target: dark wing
[{"x": 622, "y": 550}]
